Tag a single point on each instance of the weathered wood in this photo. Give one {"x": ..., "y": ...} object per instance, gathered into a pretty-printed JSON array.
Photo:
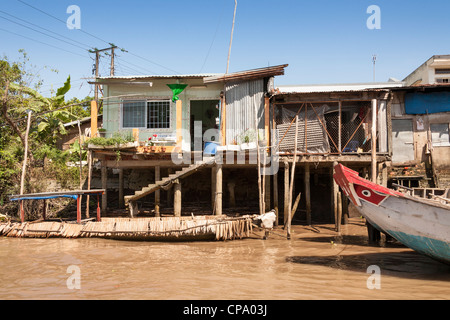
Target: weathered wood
[
  {"x": 213, "y": 187},
  {"x": 374, "y": 141},
  {"x": 231, "y": 186},
  {"x": 121, "y": 194},
  {"x": 219, "y": 190},
  {"x": 275, "y": 197},
  {"x": 104, "y": 186},
  {"x": 308, "y": 193},
  {"x": 294, "y": 208},
  {"x": 292, "y": 181},
  {"x": 286, "y": 192},
  {"x": 177, "y": 199},
  {"x": 134, "y": 209},
  {"x": 24, "y": 167},
  {"x": 339, "y": 212},
  {"x": 89, "y": 159},
  {"x": 157, "y": 192}
]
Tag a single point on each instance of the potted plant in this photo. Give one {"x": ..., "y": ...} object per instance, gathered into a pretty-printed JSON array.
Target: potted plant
[{"x": 101, "y": 132}]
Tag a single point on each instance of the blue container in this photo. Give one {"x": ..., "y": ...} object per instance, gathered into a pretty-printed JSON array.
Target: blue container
[{"x": 210, "y": 148}]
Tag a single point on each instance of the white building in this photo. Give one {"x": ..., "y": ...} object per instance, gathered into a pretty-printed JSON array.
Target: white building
[{"x": 434, "y": 71}]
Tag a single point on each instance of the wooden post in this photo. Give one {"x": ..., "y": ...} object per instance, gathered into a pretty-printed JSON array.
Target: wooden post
[
  {"x": 219, "y": 193},
  {"x": 170, "y": 190},
  {"x": 44, "y": 210},
  {"x": 258, "y": 155},
  {"x": 267, "y": 119},
  {"x": 121, "y": 194},
  {"x": 158, "y": 192},
  {"x": 292, "y": 179},
  {"x": 275, "y": 197},
  {"x": 79, "y": 209},
  {"x": 177, "y": 199},
  {"x": 267, "y": 196},
  {"x": 213, "y": 187},
  {"x": 339, "y": 212},
  {"x": 334, "y": 191},
  {"x": 231, "y": 186},
  {"x": 286, "y": 192},
  {"x": 98, "y": 209},
  {"x": 345, "y": 212},
  {"x": 179, "y": 118},
  {"x": 89, "y": 159},
  {"x": 134, "y": 209},
  {"x": 374, "y": 141},
  {"x": 94, "y": 118},
  {"x": 308, "y": 193},
  {"x": 104, "y": 186},
  {"x": 24, "y": 167}
]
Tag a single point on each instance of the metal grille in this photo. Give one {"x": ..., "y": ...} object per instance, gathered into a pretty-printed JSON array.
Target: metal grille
[
  {"x": 133, "y": 114},
  {"x": 332, "y": 128},
  {"x": 158, "y": 115}
]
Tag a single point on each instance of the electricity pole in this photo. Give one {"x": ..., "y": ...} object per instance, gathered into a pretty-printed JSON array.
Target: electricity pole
[{"x": 97, "y": 62}]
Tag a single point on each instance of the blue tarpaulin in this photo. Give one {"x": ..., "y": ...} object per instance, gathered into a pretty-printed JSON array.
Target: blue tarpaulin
[
  {"x": 45, "y": 198},
  {"x": 423, "y": 103}
]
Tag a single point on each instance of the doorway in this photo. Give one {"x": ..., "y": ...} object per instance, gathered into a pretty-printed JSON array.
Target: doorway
[{"x": 206, "y": 111}]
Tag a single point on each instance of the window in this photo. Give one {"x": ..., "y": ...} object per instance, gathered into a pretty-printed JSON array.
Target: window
[
  {"x": 158, "y": 115},
  {"x": 440, "y": 135},
  {"x": 442, "y": 71},
  {"x": 146, "y": 114},
  {"x": 133, "y": 114},
  {"x": 442, "y": 80}
]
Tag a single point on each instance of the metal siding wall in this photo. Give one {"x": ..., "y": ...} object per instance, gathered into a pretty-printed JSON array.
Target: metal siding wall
[{"x": 241, "y": 99}]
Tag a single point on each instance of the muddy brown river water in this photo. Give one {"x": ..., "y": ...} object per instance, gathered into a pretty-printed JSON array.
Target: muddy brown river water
[{"x": 315, "y": 264}]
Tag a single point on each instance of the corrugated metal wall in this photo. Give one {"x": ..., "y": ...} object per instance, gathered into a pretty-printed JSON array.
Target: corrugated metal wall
[{"x": 241, "y": 99}]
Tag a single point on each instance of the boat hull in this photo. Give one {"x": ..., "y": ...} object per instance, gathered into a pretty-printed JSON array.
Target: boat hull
[
  {"x": 419, "y": 224},
  {"x": 420, "y": 228}
]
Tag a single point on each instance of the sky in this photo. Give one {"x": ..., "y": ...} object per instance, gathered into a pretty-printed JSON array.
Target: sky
[{"x": 323, "y": 41}]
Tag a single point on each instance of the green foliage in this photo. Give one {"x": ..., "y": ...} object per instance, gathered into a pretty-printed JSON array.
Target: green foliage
[{"x": 116, "y": 140}]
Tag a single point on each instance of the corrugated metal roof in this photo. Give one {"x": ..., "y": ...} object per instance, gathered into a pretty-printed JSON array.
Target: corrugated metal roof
[
  {"x": 345, "y": 87},
  {"x": 173, "y": 76}
]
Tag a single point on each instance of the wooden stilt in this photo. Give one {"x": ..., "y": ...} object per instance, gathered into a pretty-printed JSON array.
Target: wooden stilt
[
  {"x": 339, "y": 212},
  {"x": 177, "y": 199},
  {"x": 24, "y": 167},
  {"x": 89, "y": 159},
  {"x": 219, "y": 193},
  {"x": 267, "y": 195},
  {"x": 121, "y": 194},
  {"x": 213, "y": 187},
  {"x": 308, "y": 193},
  {"x": 158, "y": 192},
  {"x": 134, "y": 210},
  {"x": 104, "y": 186},
  {"x": 288, "y": 228},
  {"x": 231, "y": 186},
  {"x": 44, "y": 209},
  {"x": 170, "y": 190},
  {"x": 286, "y": 192},
  {"x": 79, "y": 209},
  {"x": 275, "y": 197},
  {"x": 98, "y": 209},
  {"x": 345, "y": 212},
  {"x": 334, "y": 191}
]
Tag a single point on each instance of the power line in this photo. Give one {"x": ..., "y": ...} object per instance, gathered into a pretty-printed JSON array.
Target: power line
[
  {"x": 42, "y": 33},
  {"x": 64, "y": 22},
  {"x": 60, "y": 35},
  {"x": 44, "y": 43}
]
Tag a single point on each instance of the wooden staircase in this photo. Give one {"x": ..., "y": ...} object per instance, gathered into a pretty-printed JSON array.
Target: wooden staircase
[{"x": 166, "y": 182}]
